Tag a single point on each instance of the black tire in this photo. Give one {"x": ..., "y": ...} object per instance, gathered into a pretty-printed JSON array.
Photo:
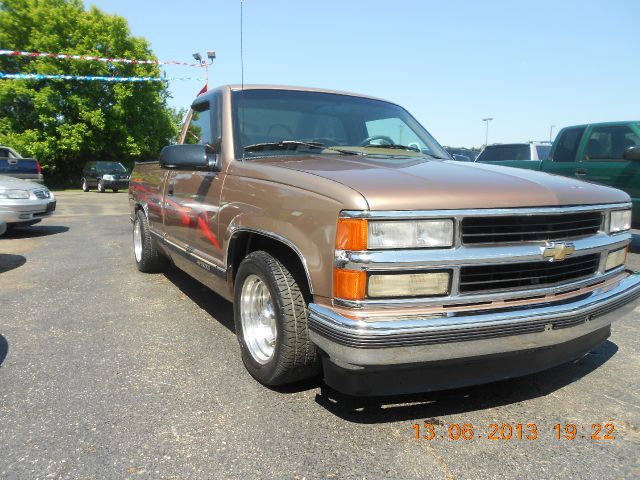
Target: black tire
[
  {"x": 151, "y": 259},
  {"x": 101, "y": 188},
  {"x": 85, "y": 185},
  {"x": 115, "y": 190},
  {"x": 294, "y": 358}
]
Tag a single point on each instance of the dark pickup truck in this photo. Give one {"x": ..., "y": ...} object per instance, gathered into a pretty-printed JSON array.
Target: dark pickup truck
[
  {"x": 605, "y": 153},
  {"x": 13, "y": 164}
]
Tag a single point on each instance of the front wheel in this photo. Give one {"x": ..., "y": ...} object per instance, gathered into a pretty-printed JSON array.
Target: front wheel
[
  {"x": 270, "y": 314},
  {"x": 115, "y": 190},
  {"x": 148, "y": 257}
]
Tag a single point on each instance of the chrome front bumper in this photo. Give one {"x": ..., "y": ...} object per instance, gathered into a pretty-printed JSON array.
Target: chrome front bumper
[{"x": 356, "y": 344}]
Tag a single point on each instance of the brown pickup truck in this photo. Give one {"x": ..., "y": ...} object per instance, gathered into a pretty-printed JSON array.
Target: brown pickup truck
[{"x": 351, "y": 245}]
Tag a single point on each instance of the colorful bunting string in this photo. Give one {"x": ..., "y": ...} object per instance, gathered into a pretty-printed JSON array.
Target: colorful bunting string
[
  {"x": 17, "y": 53},
  {"x": 38, "y": 76}
]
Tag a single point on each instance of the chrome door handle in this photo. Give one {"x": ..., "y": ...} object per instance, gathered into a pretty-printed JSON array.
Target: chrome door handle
[{"x": 581, "y": 171}]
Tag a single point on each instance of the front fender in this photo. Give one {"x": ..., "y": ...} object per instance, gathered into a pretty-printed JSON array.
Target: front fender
[{"x": 303, "y": 220}]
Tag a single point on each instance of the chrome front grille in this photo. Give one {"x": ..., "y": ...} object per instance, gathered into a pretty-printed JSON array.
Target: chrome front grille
[
  {"x": 529, "y": 228},
  {"x": 522, "y": 276},
  {"x": 42, "y": 194}
]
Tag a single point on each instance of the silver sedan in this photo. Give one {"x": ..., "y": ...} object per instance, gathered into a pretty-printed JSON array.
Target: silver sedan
[{"x": 24, "y": 203}]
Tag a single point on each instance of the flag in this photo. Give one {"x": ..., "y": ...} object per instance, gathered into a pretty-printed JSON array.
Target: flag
[{"x": 204, "y": 90}]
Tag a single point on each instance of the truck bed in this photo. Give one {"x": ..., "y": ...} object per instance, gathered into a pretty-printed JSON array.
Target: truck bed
[{"x": 24, "y": 168}]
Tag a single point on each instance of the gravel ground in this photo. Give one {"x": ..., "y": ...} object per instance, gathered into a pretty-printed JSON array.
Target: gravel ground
[{"x": 109, "y": 373}]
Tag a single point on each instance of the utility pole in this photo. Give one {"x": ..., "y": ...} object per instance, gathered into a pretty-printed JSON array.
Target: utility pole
[
  {"x": 210, "y": 55},
  {"x": 486, "y": 136},
  {"x": 551, "y": 133}
]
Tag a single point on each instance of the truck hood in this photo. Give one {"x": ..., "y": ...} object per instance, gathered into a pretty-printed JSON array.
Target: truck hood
[{"x": 417, "y": 183}]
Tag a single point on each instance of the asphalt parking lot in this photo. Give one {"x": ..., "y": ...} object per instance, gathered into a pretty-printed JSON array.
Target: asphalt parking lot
[{"x": 109, "y": 373}]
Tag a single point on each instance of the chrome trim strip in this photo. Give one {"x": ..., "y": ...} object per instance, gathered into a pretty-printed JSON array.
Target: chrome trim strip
[
  {"x": 398, "y": 214},
  {"x": 480, "y": 297},
  {"x": 189, "y": 255},
  {"x": 376, "y": 260},
  {"x": 462, "y": 326}
]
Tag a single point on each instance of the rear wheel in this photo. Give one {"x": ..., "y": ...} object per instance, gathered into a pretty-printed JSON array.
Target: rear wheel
[
  {"x": 270, "y": 314},
  {"x": 148, "y": 257},
  {"x": 101, "y": 188},
  {"x": 115, "y": 190},
  {"x": 85, "y": 185}
]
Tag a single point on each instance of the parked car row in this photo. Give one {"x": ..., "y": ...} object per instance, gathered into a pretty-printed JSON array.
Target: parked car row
[{"x": 462, "y": 154}]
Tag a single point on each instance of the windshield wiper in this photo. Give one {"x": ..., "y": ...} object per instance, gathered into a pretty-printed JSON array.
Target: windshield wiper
[
  {"x": 294, "y": 145},
  {"x": 396, "y": 147},
  {"x": 406, "y": 147}
]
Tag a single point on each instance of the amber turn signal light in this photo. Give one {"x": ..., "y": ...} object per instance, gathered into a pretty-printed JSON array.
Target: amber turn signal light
[
  {"x": 351, "y": 234},
  {"x": 349, "y": 284}
]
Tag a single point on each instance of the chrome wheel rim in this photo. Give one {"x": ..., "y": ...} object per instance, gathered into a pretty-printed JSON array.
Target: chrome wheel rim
[
  {"x": 137, "y": 241},
  {"x": 258, "y": 318},
  {"x": 84, "y": 184}
]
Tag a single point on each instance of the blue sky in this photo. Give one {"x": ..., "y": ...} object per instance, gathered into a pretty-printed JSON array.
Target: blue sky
[{"x": 451, "y": 63}]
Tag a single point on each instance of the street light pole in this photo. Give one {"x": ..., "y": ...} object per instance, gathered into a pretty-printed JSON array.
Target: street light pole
[
  {"x": 486, "y": 137},
  {"x": 551, "y": 133},
  {"x": 211, "y": 56}
]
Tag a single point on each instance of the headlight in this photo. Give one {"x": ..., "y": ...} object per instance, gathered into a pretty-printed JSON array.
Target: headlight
[
  {"x": 107, "y": 177},
  {"x": 363, "y": 234},
  {"x": 410, "y": 234},
  {"x": 409, "y": 285},
  {"x": 14, "y": 194},
  {"x": 620, "y": 221}
]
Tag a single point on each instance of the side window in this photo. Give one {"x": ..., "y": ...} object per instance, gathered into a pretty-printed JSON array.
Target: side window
[
  {"x": 567, "y": 146},
  {"x": 608, "y": 142},
  {"x": 205, "y": 122},
  {"x": 199, "y": 131}
]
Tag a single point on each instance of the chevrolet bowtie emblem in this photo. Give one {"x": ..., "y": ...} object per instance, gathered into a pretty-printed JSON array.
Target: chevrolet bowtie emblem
[{"x": 558, "y": 250}]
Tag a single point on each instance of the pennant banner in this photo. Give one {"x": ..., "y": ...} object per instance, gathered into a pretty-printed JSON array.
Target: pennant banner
[
  {"x": 38, "y": 76},
  {"x": 17, "y": 53}
]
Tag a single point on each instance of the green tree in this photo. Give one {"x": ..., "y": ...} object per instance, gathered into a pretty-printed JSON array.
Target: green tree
[{"x": 65, "y": 123}]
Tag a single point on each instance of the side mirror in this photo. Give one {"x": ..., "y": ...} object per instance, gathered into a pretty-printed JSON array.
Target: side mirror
[
  {"x": 190, "y": 157},
  {"x": 632, "y": 154}
]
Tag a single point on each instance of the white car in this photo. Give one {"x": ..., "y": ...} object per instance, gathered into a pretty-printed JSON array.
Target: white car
[{"x": 24, "y": 203}]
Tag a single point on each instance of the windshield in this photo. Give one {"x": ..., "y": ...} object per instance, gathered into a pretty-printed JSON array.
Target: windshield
[
  {"x": 111, "y": 167},
  {"x": 264, "y": 119}
]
